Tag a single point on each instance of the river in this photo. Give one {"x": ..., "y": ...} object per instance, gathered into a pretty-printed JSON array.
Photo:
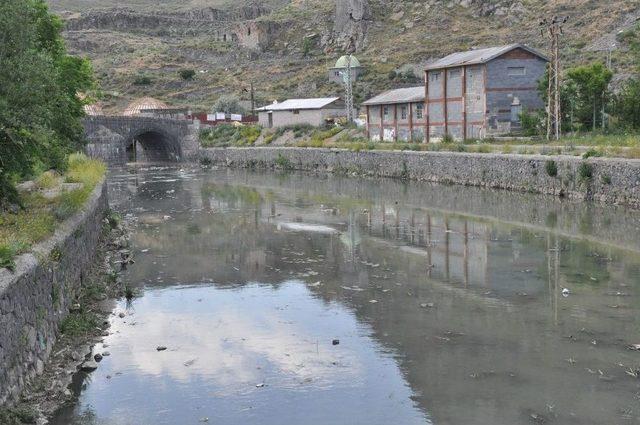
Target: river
[{"x": 286, "y": 298}]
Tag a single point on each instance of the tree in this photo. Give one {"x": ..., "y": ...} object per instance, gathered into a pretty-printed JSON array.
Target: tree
[
  {"x": 591, "y": 84},
  {"x": 626, "y": 104},
  {"x": 39, "y": 108},
  {"x": 229, "y": 104}
]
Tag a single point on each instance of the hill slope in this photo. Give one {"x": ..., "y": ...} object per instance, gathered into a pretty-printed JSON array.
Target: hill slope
[{"x": 232, "y": 44}]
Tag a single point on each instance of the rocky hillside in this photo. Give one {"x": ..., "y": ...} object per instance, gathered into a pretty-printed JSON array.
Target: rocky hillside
[{"x": 284, "y": 47}]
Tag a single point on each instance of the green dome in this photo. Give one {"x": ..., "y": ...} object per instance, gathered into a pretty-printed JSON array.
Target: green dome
[{"x": 342, "y": 62}]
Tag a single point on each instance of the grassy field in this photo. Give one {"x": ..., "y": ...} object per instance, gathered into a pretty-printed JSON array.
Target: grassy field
[{"x": 40, "y": 214}]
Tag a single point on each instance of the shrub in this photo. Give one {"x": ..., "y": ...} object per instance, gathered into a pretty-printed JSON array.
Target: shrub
[
  {"x": 591, "y": 153},
  {"x": 48, "y": 180},
  {"x": 307, "y": 44},
  {"x": 448, "y": 139},
  {"x": 283, "y": 162},
  {"x": 551, "y": 168},
  {"x": 187, "y": 74},
  {"x": 585, "y": 171},
  {"x": 531, "y": 124},
  {"x": 78, "y": 324},
  {"x": 142, "y": 80}
]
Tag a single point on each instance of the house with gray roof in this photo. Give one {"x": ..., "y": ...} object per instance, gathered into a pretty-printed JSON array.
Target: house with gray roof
[
  {"x": 481, "y": 93},
  {"x": 397, "y": 115},
  {"x": 315, "y": 112}
]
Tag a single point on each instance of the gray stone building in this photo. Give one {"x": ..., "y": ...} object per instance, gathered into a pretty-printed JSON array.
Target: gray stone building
[
  {"x": 315, "y": 112},
  {"x": 336, "y": 73},
  {"x": 397, "y": 115},
  {"x": 481, "y": 93}
]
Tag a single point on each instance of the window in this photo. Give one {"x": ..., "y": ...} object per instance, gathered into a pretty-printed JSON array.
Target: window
[
  {"x": 454, "y": 73},
  {"x": 296, "y": 112},
  {"x": 435, "y": 76},
  {"x": 515, "y": 71},
  {"x": 385, "y": 112},
  {"x": 419, "y": 111},
  {"x": 336, "y": 73},
  {"x": 403, "y": 112}
]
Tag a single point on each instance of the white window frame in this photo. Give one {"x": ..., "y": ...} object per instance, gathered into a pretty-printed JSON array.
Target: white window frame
[{"x": 517, "y": 71}]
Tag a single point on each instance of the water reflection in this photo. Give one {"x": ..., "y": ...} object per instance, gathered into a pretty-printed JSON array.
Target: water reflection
[{"x": 448, "y": 303}]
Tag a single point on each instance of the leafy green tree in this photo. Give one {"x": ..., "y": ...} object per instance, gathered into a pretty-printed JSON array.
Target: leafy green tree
[
  {"x": 40, "y": 109},
  {"x": 591, "y": 89},
  {"x": 229, "y": 104},
  {"x": 627, "y": 104}
]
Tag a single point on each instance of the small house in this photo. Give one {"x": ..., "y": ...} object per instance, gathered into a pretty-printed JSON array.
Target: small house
[
  {"x": 315, "y": 112},
  {"x": 397, "y": 115},
  {"x": 338, "y": 72},
  {"x": 480, "y": 93}
]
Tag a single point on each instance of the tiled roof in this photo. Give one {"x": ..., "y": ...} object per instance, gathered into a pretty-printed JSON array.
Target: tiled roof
[
  {"x": 289, "y": 104},
  {"x": 404, "y": 95},
  {"x": 474, "y": 57}
]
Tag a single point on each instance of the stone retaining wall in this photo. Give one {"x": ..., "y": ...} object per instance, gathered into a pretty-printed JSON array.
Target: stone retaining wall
[
  {"x": 614, "y": 181},
  {"x": 37, "y": 295}
]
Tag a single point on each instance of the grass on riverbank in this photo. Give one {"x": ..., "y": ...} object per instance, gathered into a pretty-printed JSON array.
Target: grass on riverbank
[
  {"x": 624, "y": 145},
  {"x": 47, "y": 205}
]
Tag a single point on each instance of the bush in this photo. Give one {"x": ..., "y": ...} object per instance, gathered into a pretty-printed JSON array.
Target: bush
[
  {"x": 531, "y": 124},
  {"x": 585, "y": 171},
  {"x": 448, "y": 139},
  {"x": 142, "y": 80},
  {"x": 187, "y": 74},
  {"x": 591, "y": 153},
  {"x": 283, "y": 162},
  {"x": 551, "y": 168}
]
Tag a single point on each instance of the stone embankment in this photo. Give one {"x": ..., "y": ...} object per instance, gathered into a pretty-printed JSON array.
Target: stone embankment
[
  {"x": 36, "y": 297},
  {"x": 608, "y": 180}
]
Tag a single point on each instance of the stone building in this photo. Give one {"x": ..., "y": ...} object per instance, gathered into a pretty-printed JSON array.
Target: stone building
[
  {"x": 397, "y": 115},
  {"x": 482, "y": 92},
  {"x": 139, "y": 106},
  {"x": 315, "y": 112},
  {"x": 336, "y": 73}
]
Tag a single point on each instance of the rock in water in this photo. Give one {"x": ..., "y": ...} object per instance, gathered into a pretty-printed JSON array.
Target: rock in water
[
  {"x": 89, "y": 366},
  {"x": 161, "y": 348}
]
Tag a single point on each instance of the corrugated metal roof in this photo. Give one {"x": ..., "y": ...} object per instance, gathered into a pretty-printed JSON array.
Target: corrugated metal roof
[
  {"x": 404, "y": 95},
  {"x": 289, "y": 104},
  {"x": 473, "y": 57}
]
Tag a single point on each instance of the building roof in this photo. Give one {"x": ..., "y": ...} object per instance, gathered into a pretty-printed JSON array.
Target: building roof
[
  {"x": 290, "y": 104},
  {"x": 404, "y": 95},
  {"x": 93, "y": 109},
  {"x": 139, "y": 105},
  {"x": 342, "y": 62},
  {"x": 474, "y": 57}
]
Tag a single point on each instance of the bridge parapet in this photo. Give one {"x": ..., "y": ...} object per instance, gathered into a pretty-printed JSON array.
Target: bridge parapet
[{"x": 160, "y": 139}]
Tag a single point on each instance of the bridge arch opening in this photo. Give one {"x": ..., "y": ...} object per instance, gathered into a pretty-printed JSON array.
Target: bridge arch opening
[{"x": 152, "y": 146}]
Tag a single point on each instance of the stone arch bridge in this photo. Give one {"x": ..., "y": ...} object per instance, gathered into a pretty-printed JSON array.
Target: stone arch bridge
[{"x": 122, "y": 139}]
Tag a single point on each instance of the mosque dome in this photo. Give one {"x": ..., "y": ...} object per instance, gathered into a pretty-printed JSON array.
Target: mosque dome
[
  {"x": 342, "y": 62},
  {"x": 137, "y": 106},
  {"x": 93, "y": 110}
]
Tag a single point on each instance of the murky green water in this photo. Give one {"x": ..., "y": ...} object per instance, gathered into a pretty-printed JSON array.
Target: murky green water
[{"x": 447, "y": 303}]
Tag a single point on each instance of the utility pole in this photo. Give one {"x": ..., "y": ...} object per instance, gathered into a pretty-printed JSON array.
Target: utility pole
[
  {"x": 348, "y": 83},
  {"x": 348, "y": 86},
  {"x": 554, "y": 114},
  {"x": 253, "y": 101},
  {"x": 609, "y": 50}
]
